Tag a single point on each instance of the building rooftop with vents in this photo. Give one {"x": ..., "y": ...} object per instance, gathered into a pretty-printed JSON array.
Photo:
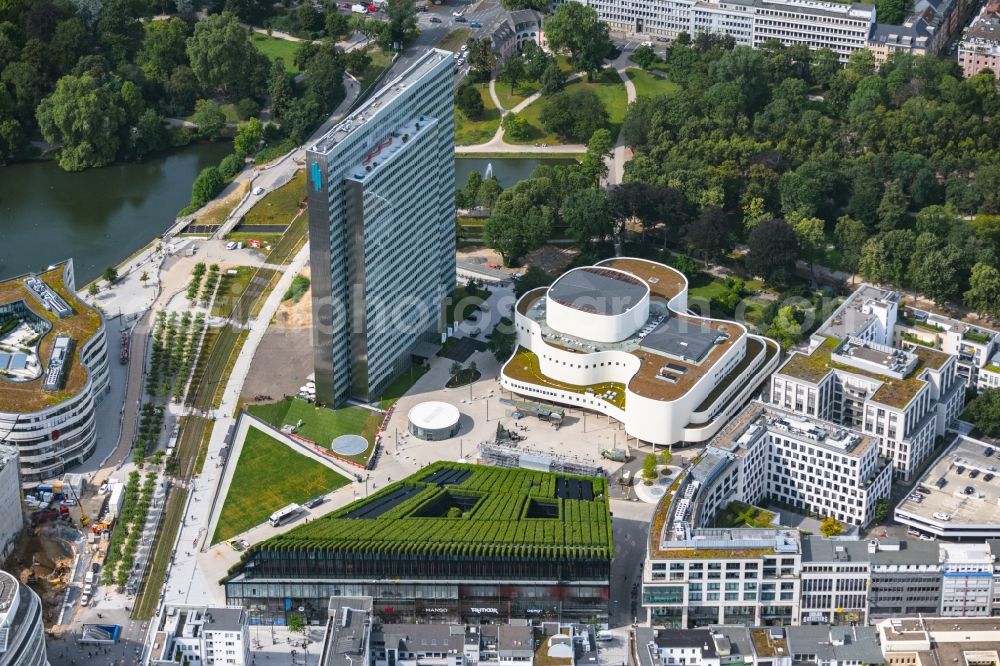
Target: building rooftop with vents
[{"x": 618, "y": 338}]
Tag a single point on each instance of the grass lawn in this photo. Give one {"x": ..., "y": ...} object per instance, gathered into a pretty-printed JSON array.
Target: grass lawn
[
  {"x": 256, "y": 491},
  {"x": 647, "y": 85},
  {"x": 454, "y": 40},
  {"x": 217, "y": 211},
  {"x": 322, "y": 425},
  {"x": 279, "y": 206},
  {"x": 471, "y": 132},
  {"x": 738, "y": 514},
  {"x": 707, "y": 287},
  {"x": 401, "y": 385},
  {"x": 230, "y": 288},
  {"x": 380, "y": 62},
  {"x": 522, "y": 91},
  {"x": 608, "y": 88},
  {"x": 227, "y": 369},
  {"x": 275, "y": 48},
  {"x": 290, "y": 242}
]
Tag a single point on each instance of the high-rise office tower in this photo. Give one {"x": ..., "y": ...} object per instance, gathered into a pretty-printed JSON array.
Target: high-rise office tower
[{"x": 382, "y": 230}]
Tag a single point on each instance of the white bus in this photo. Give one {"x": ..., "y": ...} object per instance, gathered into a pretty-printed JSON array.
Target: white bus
[{"x": 282, "y": 516}]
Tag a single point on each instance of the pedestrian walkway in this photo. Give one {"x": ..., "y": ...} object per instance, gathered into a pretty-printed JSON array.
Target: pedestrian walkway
[{"x": 186, "y": 581}]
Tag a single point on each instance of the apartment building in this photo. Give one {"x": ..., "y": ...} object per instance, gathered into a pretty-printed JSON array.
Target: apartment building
[
  {"x": 11, "y": 510},
  {"x": 843, "y": 28},
  {"x": 975, "y": 347},
  {"x": 853, "y": 376},
  {"x": 22, "y": 633},
  {"x": 382, "y": 231},
  {"x": 202, "y": 636},
  {"x": 980, "y": 45},
  {"x": 53, "y": 372}
]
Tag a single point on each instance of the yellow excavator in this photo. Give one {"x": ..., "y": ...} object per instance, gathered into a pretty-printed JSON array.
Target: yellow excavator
[{"x": 67, "y": 488}]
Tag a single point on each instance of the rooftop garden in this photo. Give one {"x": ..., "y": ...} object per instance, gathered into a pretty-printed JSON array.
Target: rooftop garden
[
  {"x": 909, "y": 337},
  {"x": 977, "y": 336},
  {"x": 81, "y": 326},
  {"x": 457, "y": 509},
  {"x": 524, "y": 367},
  {"x": 738, "y": 514},
  {"x": 893, "y": 392},
  {"x": 321, "y": 425}
]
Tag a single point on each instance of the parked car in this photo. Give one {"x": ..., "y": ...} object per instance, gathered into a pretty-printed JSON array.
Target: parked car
[
  {"x": 941, "y": 515},
  {"x": 475, "y": 24},
  {"x": 434, "y": 19},
  {"x": 458, "y": 12},
  {"x": 973, "y": 473},
  {"x": 912, "y": 532},
  {"x": 231, "y": 245},
  {"x": 924, "y": 490},
  {"x": 927, "y": 537},
  {"x": 258, "y": 190},
  {"x": 314, "y": 502},
  {"x": 460, "y": 19}
]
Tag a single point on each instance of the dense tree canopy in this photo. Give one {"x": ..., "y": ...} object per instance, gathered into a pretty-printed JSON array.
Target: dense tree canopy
[
  {"x": 577, "y": 29},
  {"x": 224, "y": 59},
  {"x": 881, "y": 166}
]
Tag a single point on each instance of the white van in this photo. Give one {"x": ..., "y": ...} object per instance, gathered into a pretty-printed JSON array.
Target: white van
[{"x": 231, "y": 245}]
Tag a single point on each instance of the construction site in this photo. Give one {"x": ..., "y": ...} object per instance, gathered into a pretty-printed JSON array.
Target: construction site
[{"x": 67, "y": 532}]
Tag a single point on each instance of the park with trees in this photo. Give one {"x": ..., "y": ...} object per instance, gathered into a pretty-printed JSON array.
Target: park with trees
[
  {"x": 762, "y": 159},
  {"x": 100, "y": 82}
]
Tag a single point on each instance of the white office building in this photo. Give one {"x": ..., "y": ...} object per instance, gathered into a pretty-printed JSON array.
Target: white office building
[
  {"x": 853, "y": 376},
  {"x": 966, "y": 579},
  {"x": 11, "y": 513},
  {"x": 768, "y": 454},
  {"x": 22, "y": 634},
  {"x": 843, "y": 28},
  {"x": 53, "y": 372},
  {"x": 382, "y": 231},
  {"x": 202, "y": 636}
]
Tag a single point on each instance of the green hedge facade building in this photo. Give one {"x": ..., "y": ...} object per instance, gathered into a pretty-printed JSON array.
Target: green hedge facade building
[{"x": 452, "y": 543}]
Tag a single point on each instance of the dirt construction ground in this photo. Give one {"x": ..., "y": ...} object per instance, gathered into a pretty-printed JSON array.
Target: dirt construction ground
[
  {"x": 284, "y": 357},
  {"x": 54, "y": 558}
]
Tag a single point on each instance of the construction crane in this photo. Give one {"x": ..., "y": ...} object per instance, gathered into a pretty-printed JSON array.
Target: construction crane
[{"x": 84, "y": 518}]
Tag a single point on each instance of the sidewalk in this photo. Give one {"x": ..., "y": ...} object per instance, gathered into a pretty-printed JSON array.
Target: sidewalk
[{"x": 186, "y": 581}]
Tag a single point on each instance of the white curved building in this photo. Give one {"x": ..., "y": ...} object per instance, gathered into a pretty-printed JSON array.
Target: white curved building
[
  {"x": 616, "y": 338},
  {"x": 53, "y": 371},
  {"x": 22, "y": 634}
]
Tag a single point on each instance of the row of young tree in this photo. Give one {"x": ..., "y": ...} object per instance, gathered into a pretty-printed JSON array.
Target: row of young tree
[{"x": 99, "y": 78}]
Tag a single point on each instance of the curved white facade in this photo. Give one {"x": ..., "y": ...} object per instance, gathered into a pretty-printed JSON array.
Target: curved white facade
[
  {"x": 665, "y": 396},
  {"x": 598, "y": 315},
  {"x": 63, "y": 433},
  {"x": 22, "y": 634}
]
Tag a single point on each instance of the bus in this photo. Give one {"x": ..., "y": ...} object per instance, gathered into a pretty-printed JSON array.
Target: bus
[{"x": 282, "y": 516}]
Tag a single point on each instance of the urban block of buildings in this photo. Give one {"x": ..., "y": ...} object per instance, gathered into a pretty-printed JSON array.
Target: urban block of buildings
[
  {"x": 355, "y": 636},
  {"x": 758, "y": 576},
  {"x": 22, "y": 635},
  {"x": 452, "y": 543},
  {"x": 53, "y": 372},
  {"x": 980, "y": 45},
  {"x": 920, "y": 641},
  {"x": 201, "y": 636},
  {"x": 841, "y": 27},
  {"x": 381, "y": 194},
  {"x": 717, "y": 645},
  {"x": 616, "y": 338},
  {"x": 853, "y": 375}
]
